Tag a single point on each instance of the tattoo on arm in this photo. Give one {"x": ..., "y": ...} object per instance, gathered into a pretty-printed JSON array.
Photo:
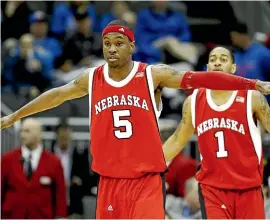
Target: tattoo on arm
[
  {"x": 184, "y": 117},
  {"x": 167, "y": 69},
  {"x": 79, "y": 78},
  {"x": 264, "y": 108}
]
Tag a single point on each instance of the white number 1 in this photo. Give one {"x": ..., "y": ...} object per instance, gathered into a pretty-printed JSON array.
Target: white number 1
[
  {"x": 221, "y": 145},
  {"x": 118, "y": 122}
]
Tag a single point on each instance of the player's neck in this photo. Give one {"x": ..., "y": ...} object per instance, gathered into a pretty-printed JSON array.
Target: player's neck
[{"x": 122, "y": 72}]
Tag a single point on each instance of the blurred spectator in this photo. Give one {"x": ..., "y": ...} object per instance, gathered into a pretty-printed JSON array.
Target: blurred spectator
[
  {"x": 180, "y": 169},
  {"x": 28, "y": 66},
  {"x": 63, "y": 21},
  {"x": 14, "y": 19},
  {"x": 252, "y": 59},
  {"x": 62, "y": 64},
  {"x": 187, "y": 207},
  {"x": 84, "y": 44},
  {"x": 8, "y": 49},
  {"x": 39, "y": 30},
  {"x": 160, "y": 33},
  {"x": 32, "y": 180},
  {"x": 119, "y": 10},
  {"x": 74, "y": 160}
]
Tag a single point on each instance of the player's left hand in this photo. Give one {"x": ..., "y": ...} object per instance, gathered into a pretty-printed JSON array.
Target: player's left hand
[{"x": 263, "y": 87}]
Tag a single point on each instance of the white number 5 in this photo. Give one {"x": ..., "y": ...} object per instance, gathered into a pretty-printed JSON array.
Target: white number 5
[
  {"x": 118, "y": 122},
  {"x": 221, "y": 145}
]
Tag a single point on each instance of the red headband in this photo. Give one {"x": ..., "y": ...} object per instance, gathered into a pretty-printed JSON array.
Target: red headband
[{"x": 119, "y": 29}]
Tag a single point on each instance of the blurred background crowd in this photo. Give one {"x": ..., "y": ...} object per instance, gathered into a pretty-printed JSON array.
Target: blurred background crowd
[{"x": 47, "y": 44}]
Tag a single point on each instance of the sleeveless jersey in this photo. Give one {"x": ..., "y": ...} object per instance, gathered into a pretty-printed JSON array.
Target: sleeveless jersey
[
  {"x": 125, "y": 140},
  {"x": 229, "y": 141}
]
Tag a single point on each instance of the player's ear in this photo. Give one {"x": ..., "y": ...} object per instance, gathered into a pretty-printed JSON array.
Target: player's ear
[
  {"x": 132, "y": 47},
  {"x": 233, "y": 68}
]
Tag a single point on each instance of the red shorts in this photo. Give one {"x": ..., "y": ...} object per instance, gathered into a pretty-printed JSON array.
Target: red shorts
[
  {"x": 131, "y": 198},
  {"x": 231, "y": 204}
]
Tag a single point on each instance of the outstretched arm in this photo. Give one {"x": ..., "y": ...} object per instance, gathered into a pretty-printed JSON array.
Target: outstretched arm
[
  {"x": 180, "y": 137},
  {"x": 50, "y": 99},
  {"x": 166, "y": 76},
  {"x": 261, "y": 109}
]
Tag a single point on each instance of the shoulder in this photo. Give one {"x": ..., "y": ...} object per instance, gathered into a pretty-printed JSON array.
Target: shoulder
[
  {"x": 92, "y": 70},
  {"x": 11, "y": 154},
  {"x": 82, "y": 78},
  {"x": 187, "y": 102},
  {"x": 163, "y": 68},
  {"x": 256, "y": 96},
  {"x": 258, "y": 100},
  {"x": 84, "y": 75}
]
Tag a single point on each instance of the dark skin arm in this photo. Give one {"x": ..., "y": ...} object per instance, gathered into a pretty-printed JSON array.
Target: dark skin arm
[
  {"x": 180, "y": 137},
  {"x": 50, "y": 99},
  {"x": 261, "y": 109},
  {"x": 166, "y": 76}
]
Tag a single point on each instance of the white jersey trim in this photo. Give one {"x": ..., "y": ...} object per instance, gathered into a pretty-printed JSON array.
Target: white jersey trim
[
  {"x": 91, "y": 72},
  {"x": 122, "y": 82},
  {"x": 219, "y": 108},
  {"x": 193, "y": 106},
  {"x": 152, "y": 92},
  {"x": 255, "y": 131}
]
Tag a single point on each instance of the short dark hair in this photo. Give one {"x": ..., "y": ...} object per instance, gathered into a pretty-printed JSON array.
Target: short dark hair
[
  {"x": 81, "y": 13},
  {"x": 120, "y": 22},
  {"x": 227, "y": 48},
  {"x": 63, "y": 124},
  {"x": 240, "y": 28}
]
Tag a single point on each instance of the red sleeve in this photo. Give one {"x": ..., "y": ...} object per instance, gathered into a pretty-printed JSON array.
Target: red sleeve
[
  {"x": 61, "y": 200},
  {"x": 216, "y": 81}
]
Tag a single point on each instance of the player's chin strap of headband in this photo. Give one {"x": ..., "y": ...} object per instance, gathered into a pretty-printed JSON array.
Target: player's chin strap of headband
[{"x": 119, "y": 29}]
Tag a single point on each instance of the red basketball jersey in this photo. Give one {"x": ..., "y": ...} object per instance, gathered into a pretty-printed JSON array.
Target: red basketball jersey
[
  {"x": 125, "y": 140},
  {"x": 229, "y": 141}
]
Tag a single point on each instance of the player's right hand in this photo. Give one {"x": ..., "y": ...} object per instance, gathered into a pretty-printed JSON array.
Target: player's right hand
[
  {"x": 263, "y": 87},
  {"x": 8, "y": 121}
]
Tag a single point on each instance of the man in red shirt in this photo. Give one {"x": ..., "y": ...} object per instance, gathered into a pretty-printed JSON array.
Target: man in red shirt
[{"x": 32, "y": 179}]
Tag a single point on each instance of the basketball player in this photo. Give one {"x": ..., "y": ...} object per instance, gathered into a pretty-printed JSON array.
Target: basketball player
[
  {"x": 227, "y": 126},
  {"x": 124, "y": 101}
]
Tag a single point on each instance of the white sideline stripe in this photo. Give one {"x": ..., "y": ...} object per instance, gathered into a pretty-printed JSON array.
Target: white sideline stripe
[
  {"x": 74, "y": 121},
  {"x": 80, "y": 135}
]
